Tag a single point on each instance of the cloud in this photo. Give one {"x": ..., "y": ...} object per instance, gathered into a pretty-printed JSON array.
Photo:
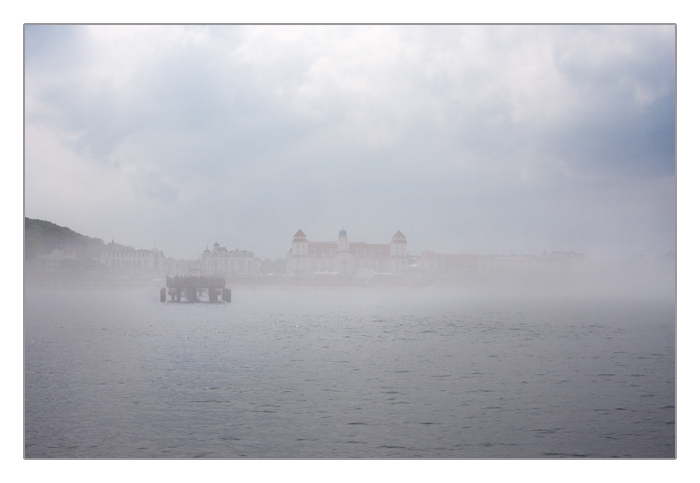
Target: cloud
[{"x": 464, "y": 137}]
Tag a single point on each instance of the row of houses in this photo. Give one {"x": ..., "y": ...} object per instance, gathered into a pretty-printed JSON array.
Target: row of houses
[
  {"x": 306, "y": 259},
  {"x": 229, "y": 263},
  {"x": 364, "y": 260},
  {"x": 135, "y": 262},
  {"x": 123, "y": 260}
]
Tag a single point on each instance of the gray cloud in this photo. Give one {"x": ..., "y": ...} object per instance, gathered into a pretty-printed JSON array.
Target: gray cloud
[{"x": 467, "y": 138}]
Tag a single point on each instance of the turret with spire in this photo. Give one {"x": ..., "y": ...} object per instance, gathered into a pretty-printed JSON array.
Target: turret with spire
[
  {"x": 343, "y": 244},
  {"x": 399, "y": 248},
  {"x": 300, "y": 245}
]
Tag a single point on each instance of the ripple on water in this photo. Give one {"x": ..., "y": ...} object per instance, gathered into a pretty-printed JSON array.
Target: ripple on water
[{"x": 303, "y": 376}]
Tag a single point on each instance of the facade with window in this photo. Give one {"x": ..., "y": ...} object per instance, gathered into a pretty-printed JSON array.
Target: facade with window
[
  {"x": 56, "y": 260},
  {"x": 131, "y": 261},
  {"x": 235, "y": 263},
  {"x": 343, "y": 257}
]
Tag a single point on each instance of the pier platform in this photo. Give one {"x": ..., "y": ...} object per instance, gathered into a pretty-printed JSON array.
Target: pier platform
[{"x": 195, "y": 289}]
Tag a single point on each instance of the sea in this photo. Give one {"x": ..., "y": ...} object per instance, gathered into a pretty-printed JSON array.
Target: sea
[{"x": 328, "y": 373}]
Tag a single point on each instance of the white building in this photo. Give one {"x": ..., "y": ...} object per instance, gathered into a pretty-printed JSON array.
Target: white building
[
  {"x": 358, "y": 259},
  {"x": 133, "y": 261},
  {"x": 183, "y": 267},
  {"x": 236, "y": 263},
  {"x": 53, "y": 262}
]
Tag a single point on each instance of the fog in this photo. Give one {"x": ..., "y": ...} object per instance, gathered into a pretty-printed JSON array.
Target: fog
[
  {"x": 573, "y": 365},
  {"x": 424, "y": 241},
  {"x": 482, "y": 140},
  {"x": 637, "y": 278}
]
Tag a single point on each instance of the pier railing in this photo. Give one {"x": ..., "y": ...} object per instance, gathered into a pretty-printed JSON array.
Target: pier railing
[
  {"x": 195, "y": 282},
  {"x": 191, "y": 288}
]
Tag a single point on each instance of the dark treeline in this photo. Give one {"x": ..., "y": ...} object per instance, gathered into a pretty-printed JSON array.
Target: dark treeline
[{"x": 43, "y": 236}]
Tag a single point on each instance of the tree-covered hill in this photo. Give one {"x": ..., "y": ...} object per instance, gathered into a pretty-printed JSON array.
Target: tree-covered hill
[{"x": 43, "y": 236}]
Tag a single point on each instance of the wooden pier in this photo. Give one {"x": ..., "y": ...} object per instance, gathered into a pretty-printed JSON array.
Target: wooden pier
[{"x": 191, "y": 289}]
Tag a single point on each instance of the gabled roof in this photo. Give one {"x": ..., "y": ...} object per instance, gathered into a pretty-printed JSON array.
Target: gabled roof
[
  {"x": 299, "y": 234},
  {"x": 398, "y": 234}
]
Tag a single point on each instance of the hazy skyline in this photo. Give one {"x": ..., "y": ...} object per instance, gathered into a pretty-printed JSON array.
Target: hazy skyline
[{"x": 471, "y": 139}]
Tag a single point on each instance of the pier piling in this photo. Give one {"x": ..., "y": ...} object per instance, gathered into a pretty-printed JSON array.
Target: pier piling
[{"x": 192, "y": 287}]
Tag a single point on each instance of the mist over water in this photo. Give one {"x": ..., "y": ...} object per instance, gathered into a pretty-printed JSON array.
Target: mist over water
[
  {"x": 350, "y": 373},
  {"x": 524, "y": 307}
]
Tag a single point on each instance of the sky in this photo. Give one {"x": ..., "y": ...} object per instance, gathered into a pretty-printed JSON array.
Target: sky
[{"x": 467, "y": 138}]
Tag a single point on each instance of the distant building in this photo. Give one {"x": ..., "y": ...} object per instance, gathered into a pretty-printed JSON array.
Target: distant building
[
  {"x": 432, "y": 262},
  {"x": 54, "y": 261},
  {"x": 183, "y": 266},
  {"x": 222, "y": 262},
  {"x": 569, "y": 257},
  {"x": 480, "y": 268},
  {"x": 273, "y": 268},
  {"x": 357, "y": 259},
  {"x": 131, "y": 261}
]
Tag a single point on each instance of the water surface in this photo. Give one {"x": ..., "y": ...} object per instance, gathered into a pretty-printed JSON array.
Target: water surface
[{"x": 347, "y": 374}]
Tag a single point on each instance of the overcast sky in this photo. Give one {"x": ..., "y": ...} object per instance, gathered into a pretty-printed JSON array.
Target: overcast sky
[{"x": 468, "y": 139}]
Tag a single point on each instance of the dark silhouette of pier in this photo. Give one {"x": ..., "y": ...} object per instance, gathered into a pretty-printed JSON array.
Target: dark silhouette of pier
[{"x": 191, "y": 288}]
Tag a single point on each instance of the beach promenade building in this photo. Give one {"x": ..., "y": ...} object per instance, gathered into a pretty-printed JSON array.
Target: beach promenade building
[
  {"x": 235, "y": 263},
  {"x": 343, "y": 257},
  {"x": 132, "y": 261},
  {"x": 55, "y": 261}
]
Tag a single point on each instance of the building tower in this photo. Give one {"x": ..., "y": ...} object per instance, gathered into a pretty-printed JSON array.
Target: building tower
[
  {"x": 399, "y": 247},
  {"x": 399, "y": 253},
  {"x": 300, "y": 245},
  {"x": 343, "y": 244}
]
